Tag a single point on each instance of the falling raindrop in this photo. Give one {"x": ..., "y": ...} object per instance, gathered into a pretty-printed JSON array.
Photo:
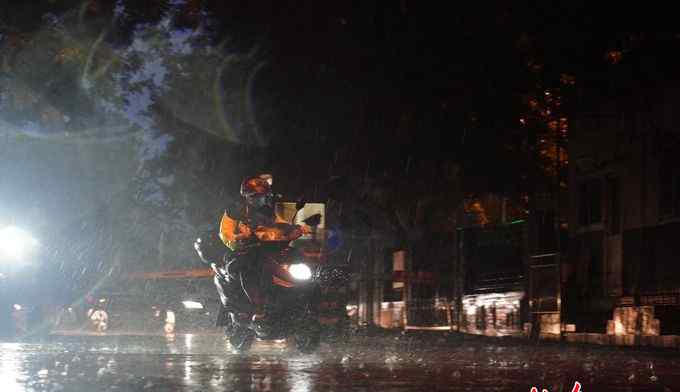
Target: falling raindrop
[{"x": 101, "y": 372}]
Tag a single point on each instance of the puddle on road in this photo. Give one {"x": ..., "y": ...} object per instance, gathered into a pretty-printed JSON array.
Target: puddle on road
[{"x": 205, "y": 363}]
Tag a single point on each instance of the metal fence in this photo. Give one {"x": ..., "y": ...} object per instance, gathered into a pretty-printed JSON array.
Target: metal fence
[{"x": 428, "y": 313}]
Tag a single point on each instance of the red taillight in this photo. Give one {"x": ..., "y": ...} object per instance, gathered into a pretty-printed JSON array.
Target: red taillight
[{"x": 280, "y": 282}]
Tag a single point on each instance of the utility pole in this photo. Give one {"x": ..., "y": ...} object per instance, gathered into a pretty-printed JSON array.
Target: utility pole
[{"x": 558, "y": 244}]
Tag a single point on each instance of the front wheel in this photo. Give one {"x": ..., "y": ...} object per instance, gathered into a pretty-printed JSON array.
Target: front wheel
[{"x": 241, "y": 339}]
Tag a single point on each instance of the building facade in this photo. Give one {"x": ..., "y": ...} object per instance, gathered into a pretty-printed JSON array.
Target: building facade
[
  {"x": 622, "y": 266},
  {"x": 493, "y": 261}
]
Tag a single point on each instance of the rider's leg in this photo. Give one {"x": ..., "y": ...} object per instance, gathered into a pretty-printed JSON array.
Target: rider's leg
[
  {"x": 229, "y": 287},
  {"x": 249, "y": 276},
  {"x": 246, "y": 276}
]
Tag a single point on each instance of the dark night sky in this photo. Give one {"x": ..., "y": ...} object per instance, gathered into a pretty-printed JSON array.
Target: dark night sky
[
  {"x": 394, "y": 91},
  {"x": 376, "y": 84}
]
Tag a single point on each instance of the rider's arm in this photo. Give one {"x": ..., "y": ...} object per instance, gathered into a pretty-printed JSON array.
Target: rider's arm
[
  {"x": 299, "y": 231},
  {"x": 231, "y": 232}
]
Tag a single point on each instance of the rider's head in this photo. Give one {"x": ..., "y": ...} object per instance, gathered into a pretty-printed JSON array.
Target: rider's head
[{"x": 257, "y": 191}]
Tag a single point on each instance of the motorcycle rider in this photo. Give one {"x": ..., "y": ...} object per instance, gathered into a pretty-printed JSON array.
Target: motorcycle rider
[{"x": 236, "y": 268}]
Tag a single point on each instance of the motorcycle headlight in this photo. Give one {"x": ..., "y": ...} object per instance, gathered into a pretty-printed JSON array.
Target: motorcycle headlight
[{"x": 300, "y": 271}]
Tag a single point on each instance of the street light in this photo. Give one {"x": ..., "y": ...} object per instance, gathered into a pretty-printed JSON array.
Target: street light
[{"x": 15, "y": 243}]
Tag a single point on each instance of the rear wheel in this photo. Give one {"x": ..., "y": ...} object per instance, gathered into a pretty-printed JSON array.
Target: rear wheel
[
  {"x": 307, "y": 343},
  {"x": 308, "y": 337},
  {"x": 340, "y": 332}
]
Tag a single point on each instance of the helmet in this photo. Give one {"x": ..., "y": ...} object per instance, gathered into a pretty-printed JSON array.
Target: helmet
[
  {"x": 258, "y": 191},
  {"x": 259, "y": 185}
]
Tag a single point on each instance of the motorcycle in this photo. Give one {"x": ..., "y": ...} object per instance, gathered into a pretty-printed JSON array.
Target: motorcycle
[{"x": 289, "y": 286}]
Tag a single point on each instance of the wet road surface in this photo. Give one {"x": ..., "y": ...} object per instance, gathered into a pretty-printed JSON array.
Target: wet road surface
[{"x": 393, "y": 363}]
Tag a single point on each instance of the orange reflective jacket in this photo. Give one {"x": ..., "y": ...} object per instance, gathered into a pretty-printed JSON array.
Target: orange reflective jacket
[{"x": 233, "y": 231}]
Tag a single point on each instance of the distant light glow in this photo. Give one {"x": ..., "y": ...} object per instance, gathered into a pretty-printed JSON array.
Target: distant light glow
[
  {"x": 619, "y": 329},
  {"x": 504, "y": 305},
  {"x": 471, "y": 310},
  {"x": 170, "y": 317},
  {"x": 17, "y": 307},
  {"x": 192, "y": 305},
  {"x": 102, "y": 300},
  {"x": 15, "y": 243}
]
